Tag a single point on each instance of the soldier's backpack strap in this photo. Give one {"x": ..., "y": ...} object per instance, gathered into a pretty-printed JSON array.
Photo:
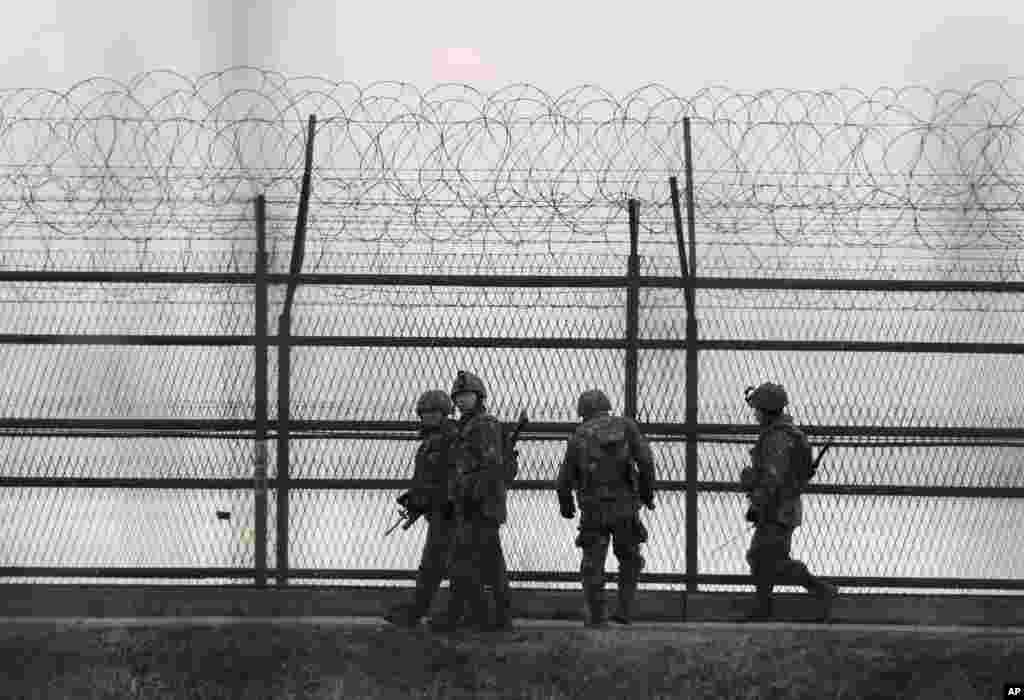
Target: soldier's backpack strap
[{"x": 802, "y": 461}]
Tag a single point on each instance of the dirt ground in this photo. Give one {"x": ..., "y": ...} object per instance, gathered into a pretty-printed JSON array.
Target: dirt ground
[{"x": 302, "y": 660}]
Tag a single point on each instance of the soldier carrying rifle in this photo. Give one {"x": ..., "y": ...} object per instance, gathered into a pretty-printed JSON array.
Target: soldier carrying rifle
[
  {"x": 781, "y": 466},
  {"x": 483, "y": 472},
  {"x": 430, "y": 497}
]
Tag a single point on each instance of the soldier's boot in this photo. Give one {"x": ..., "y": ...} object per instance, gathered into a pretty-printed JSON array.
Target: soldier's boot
[
  {"x": 763, "y": 567},
  {"x": 426, "y": 591},
  {"x": 762, "y": 610},
  {"x": 595, "y": 606},
  {"x": 410, "y": 614},
  {"x": 453, "y": 614},
  {"x": 824, "y": 592},
  {"x": 626, "y": 594},
  {"x": 401, "y": 616},
  {"x": 502, "y": 607},
  {"x": 469, "y": 606},
  {"x": 479, "y": 611}
]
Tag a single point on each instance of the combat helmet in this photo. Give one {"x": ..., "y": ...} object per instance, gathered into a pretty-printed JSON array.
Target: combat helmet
[
  {"x": 467, "y": 381},
  {"x": 434, "y": 400},
  {"x": 768, "y": 397},
  {"x": 592, "y": 401}
]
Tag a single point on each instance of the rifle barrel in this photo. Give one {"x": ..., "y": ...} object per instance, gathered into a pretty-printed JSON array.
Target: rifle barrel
[{"x": 391, "y": 529}]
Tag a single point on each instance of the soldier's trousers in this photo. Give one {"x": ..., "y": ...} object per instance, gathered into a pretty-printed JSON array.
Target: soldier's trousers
[
  {"x": 771, "y": 564},
  {"x": 433, "y": 562},
  {"x": 626, "y": 534},
  {"x": 478, "y": 561}
]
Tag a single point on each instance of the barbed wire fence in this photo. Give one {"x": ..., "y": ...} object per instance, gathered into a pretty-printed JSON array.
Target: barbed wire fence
[
  {"x": 159, "y": 174},
  {"x": 517, "y": 177}
]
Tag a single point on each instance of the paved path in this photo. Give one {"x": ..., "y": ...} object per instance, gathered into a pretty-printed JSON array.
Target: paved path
[{"x": 520, "y": 624}]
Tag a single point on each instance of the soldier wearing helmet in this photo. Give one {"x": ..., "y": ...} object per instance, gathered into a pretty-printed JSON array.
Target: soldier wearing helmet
[
  {"x": 430, "y": 495},
  {"x": 600, "y": 465},
  {"x": 478, "y": 492},
  {"x": 774, "y": 494}
]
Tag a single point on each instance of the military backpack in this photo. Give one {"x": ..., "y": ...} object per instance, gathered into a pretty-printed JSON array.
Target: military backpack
[{"x": 607, "y": 459}]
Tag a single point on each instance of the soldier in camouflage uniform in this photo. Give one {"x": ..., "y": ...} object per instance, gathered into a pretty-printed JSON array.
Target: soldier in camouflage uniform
[
  {"x": 775, "y": 507},
  {"x": 430, "y": 496},
  {"x": 599, "y": 467},
  {"x": 480, "y": 505}
]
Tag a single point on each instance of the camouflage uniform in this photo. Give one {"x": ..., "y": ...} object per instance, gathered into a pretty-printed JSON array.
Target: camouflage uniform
[
  {"x": 775, "y": 507},
  {"x": 599, "y": 466},
  {"x": 429, "y": 495},
  {"x": 479, "y": 494}
]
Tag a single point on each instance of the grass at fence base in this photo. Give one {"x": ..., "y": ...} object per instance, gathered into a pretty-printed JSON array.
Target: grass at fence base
[{"x": 364, "y": 662}]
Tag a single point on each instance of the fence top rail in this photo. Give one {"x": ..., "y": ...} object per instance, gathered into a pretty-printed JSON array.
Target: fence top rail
[{"x": 445, "y": 280}]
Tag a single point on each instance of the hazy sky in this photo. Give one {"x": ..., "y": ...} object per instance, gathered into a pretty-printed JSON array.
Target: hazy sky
[{"x": 556, "y": 45}]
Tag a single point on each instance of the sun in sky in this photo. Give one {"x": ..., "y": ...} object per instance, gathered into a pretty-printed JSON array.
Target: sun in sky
[{"x": 460, "y": 66}]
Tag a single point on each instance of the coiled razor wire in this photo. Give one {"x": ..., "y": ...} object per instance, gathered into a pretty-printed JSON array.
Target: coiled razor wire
[{"x": 159, "y": 172}]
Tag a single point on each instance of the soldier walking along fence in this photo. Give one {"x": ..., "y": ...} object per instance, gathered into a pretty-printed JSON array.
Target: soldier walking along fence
[{"x": 922, "y": 489}]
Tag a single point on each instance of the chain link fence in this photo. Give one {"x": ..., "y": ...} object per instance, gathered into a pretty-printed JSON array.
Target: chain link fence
[{"x": 864, "y": 250}]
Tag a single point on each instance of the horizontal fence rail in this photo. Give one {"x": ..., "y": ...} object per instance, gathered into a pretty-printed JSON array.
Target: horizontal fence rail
[
  {"x": 524, "y": 485},
  {"x": 524, "y": 343},
  {"x": 524, "y": 576},
  {"x": 654, "y": 430},
  {"x": 568, "y": 281}
]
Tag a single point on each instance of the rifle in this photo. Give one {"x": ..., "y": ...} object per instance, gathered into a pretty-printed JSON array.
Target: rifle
[
  {"x": 817, "y": 460},
  {"x": 510, "y": 442},
  {"x": 405, "y": 515}
]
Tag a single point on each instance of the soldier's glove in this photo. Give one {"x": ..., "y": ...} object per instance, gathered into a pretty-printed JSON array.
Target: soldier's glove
[
  {"x": 747, "y": 479},
  {"x": 647, "y": 497},
  {"x": 413, "y": 502},
  {"x": 566, "y": 506}
]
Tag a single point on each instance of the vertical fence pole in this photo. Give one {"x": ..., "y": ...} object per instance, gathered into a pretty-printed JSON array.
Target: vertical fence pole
[
  {"x": 691, "y": 376},
  {"x": 632, "y": 310},
  {"x": 260, "y": 388},
  {"x": 677, "y": 216},
  {"x": 283, "y": 417},
  {"x": 284, "y": 364},
  {"x": 690, "y": 213},
  {"x": 684, "y": 272}
]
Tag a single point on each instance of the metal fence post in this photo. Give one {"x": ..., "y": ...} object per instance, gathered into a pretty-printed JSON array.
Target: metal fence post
[
  {"x": 260, "y": 388},
  {"x": 632, "y": 311},
  {"x": 691, "y": 375},
  {"x": 283, "y": 417},
  {"x": 284, "y": 359}
]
